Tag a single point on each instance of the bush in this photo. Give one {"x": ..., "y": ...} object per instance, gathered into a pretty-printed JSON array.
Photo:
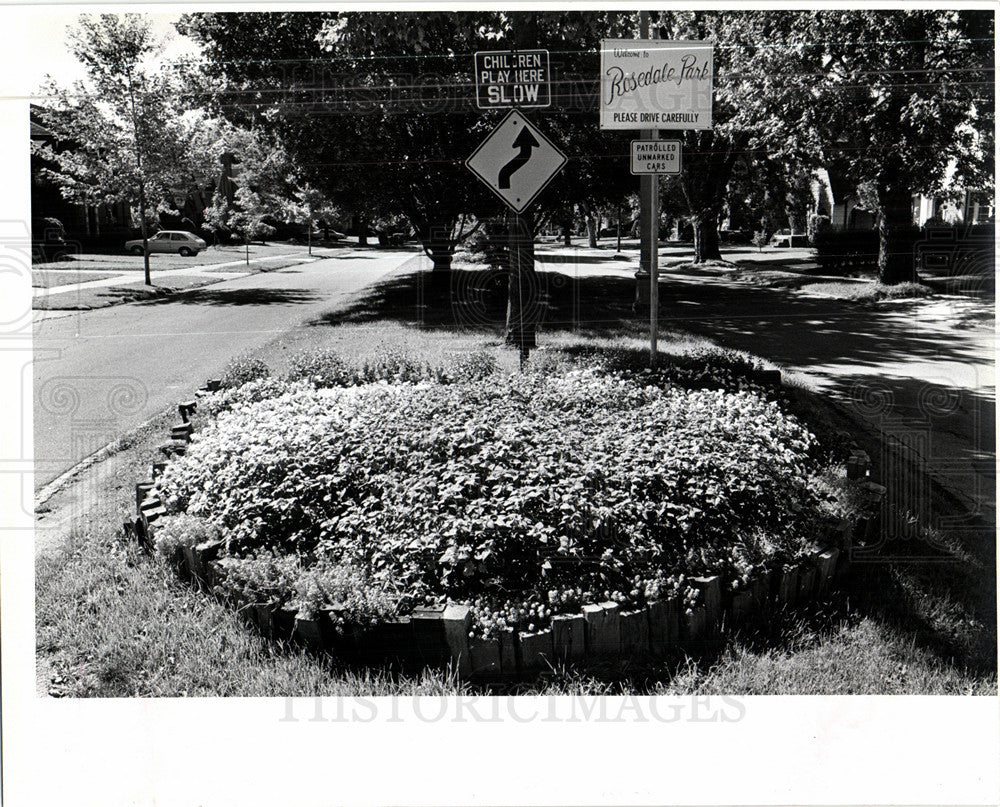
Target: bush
[
  {"x": 181, "y": 530},
  {"x": 524, "y": 495},
  {"x": 474, "y": 366},
  {"x": 242, "y": 371},
  {"x": 816, "y": 223},
  {"x": 489, "y": 245},
  {"x": 846, "y": 250},
  {"x": 322, "y": 368}
]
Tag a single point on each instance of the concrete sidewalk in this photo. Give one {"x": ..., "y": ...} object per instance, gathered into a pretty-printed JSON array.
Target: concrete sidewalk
[{"x": 128, "y": 277}]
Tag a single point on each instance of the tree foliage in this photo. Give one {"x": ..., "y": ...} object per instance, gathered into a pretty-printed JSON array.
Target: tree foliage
[
  {"x": 120, "y": 137},
  {"x": 763, "y": 94},
  {"x": 907, "y": 96},
  {"x": 390, "y": 97}
]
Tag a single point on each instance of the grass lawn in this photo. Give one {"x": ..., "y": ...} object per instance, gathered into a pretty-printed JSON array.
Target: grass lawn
[
  {"x": 48, "y": 279},
  {"x": 112, "y": 621},
  {"x": 121, "y": 260},
  {"x": 132, "y": 288}
]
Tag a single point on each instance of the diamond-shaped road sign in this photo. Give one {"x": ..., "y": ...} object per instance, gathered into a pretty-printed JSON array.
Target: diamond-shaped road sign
[{"x": 516, "y": 161}]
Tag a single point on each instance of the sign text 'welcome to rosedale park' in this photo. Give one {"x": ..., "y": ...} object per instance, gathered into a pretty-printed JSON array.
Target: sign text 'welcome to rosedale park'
[{"x": 656, "y": 84}]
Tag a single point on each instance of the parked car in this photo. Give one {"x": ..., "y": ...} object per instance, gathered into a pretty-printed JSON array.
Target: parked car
[
  {"x": 785, "y": 238},
  {"x": 179, "y": 241}
]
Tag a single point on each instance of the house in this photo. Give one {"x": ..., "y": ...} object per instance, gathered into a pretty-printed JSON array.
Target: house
[
  {"x": 80, "y": 221},
  {"x": 835, "y": 198}
]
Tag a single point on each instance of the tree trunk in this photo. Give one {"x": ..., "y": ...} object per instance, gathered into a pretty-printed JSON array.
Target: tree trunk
[
  {"x": 566, "y": 225},
  {"x": 895, "y": 227},
  {"x": 591, "y": 230},
  {"x": 706, "y": 238},
  {"x": 438, "y": 246},
  {"x": 145, "y": 233},
  {"x": 441, "y": 261}
]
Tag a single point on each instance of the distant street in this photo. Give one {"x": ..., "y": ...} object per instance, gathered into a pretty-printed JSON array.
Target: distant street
[{"x": 98, "y": 374}]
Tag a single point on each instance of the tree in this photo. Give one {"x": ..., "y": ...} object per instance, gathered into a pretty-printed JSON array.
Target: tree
[
  {"x": 120, "y": 137},
  {"x": 764, "y": 78},
  {"x": 247, "y": 218},
  {"x": 390, "y": 95},
  {"x": 364, "y": 93},
  {"x": 310, "y": 203},
  {"x": 907, "y": 95}
]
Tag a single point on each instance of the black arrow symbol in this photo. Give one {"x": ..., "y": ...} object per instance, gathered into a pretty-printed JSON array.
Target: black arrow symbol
[{"x": 525, "y": 141}]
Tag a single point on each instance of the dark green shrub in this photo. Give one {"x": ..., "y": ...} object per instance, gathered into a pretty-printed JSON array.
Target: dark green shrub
[
  {"x": 181, "y": 530},
  {"x": 322, "y": 368},
  {"x": 474, "y": 366},
  {"x": 243, "y": 370},
  {"x": 489, "y": 244},
  {"x": 846, "y": 250}
]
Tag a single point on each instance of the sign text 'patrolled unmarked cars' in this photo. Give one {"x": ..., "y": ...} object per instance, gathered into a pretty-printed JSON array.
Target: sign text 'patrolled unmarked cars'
[
  {"x": 655, "y": 84},
  {"x": 656, "y": 157}
]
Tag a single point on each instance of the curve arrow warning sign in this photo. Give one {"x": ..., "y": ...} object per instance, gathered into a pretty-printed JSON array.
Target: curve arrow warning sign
[{"x": 516, "y": 161}]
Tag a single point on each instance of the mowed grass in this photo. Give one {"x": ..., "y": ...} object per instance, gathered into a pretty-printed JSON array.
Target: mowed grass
[
  {"x": 50, "y": 279},
  {"x": 125, "y": 261},
  {"x": 113, "y": 621}
]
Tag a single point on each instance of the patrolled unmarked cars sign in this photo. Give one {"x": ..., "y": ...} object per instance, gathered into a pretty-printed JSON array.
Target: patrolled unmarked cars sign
[
  {"x": 655, "y": 84},
  {"x": 656, "y": 156}
]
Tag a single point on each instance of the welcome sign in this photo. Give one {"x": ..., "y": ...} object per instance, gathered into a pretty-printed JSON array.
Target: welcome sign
[{"x": 656, "y": 84}]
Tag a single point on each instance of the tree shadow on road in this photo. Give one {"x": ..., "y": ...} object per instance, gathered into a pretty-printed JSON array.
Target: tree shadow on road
[
  {"x": 237, "y": 297},
  {"x": 803, "y": 332}
]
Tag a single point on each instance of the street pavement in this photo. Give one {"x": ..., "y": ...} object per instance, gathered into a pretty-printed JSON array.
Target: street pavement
[{"x": 100, "y": 373}]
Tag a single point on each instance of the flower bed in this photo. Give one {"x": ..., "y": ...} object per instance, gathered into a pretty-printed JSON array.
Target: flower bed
[{"x": 523, "y": 498}]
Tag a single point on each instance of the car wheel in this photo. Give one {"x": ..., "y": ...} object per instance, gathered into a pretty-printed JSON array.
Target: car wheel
[
  {"x": 136, "y": 250},
  {"x": 185, "y": 252}
]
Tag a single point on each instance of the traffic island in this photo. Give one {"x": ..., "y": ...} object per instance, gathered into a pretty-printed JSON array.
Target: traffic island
[{"x": 443, "y": 633}]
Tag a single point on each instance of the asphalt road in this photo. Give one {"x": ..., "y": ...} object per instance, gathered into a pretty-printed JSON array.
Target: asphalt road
[{"x": 98, "y": 374}]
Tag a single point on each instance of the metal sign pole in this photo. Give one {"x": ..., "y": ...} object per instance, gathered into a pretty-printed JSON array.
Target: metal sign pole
[
  {"x": 650, "y": 200},
  {"x": 654, "y": 263}
]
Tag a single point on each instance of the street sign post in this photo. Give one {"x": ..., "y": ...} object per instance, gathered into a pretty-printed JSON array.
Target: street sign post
[
  {"x": 516, "y": 161},
  {"x": 512, "y": 78},
  {"x": 652, "y": 85},
  {"x": 656, "y": 157}
]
